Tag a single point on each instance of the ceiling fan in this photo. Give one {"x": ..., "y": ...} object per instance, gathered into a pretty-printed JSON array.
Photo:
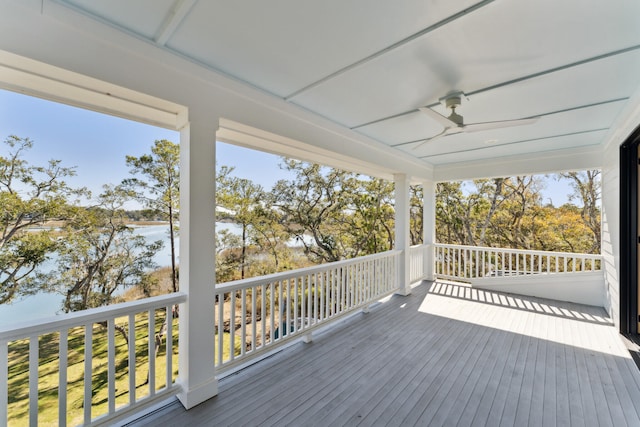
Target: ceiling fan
[{"x": 455, "y": 124}]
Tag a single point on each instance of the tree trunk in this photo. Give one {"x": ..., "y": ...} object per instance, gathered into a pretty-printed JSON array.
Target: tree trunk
[{"x": 174, "y": 277}]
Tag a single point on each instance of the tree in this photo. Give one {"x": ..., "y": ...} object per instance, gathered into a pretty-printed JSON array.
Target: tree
[
  {"x": 368, "y": 221},
  {"x": 160, "y": 187},
  {"x": 515, "y": 223},
  {"x": 586, "y": 188},
  {"x": 449, "y": 213},
  {"x": 335, "y": 214},
  {"x": 467, "y": 217},
  {"x": 227, "y": 257},
  {"x": 29, "y": 196},
  {"x": 100, "y": 255},
  {"x": 508, "y": 212},
  {"x": 243, "y": 198},
  {"x": 416, "y": 214},
  {"x": 270, "y": 235}
]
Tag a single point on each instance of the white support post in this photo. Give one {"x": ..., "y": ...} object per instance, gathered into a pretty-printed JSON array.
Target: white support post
[
  {"x": 429, "y": 227},
  {"x": 402, "y": 200},
  {"x": 197, "y": 260}
]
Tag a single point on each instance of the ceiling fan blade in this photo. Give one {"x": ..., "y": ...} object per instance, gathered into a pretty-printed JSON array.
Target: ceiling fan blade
[
  {"x": 441, "y": 134},
  {"x": 444, "y": 121},
  {"x": 478, "y": 127}
]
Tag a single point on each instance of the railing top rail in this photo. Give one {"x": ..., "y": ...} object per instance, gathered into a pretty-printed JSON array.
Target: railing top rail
[
  {"x": 523, "y": 251},
  {"x": 69, "y": 320},
  {"x": 285, "y": 275}
]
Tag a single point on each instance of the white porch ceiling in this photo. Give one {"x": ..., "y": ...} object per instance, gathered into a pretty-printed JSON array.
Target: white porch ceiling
[{"x": 369, "y": 66}]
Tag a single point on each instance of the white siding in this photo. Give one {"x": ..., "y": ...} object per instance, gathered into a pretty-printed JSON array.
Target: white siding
[{"x": 611, "y": 206}]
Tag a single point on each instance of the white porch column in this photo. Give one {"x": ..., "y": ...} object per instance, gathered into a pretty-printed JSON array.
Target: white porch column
[
  {"x": 197, "y": 263},
  {"x": 403, "y": 240},
  {"x": 429, "y": 226}
]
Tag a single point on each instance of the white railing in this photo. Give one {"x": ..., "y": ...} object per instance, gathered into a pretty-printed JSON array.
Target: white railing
[
  {"x": 84, "y": 361},
  {"x": 417, "y": 262},
  {"x": 256, "y": 315},
  {"x": 471, "y": 262}
]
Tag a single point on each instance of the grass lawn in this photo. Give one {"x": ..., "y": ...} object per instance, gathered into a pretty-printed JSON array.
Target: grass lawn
[{"x": 49, "y": 366}]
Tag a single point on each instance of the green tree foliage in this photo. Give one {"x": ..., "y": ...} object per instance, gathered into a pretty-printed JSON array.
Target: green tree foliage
[
  {"x": 270, "y": 236},
  {"x": 243, "y": 198},
  {"x": 227, "y": 255},
  {"x": 586, "y": 189},
  {"x": 30, "y": 196},
  {"x": 416, "y": 214},
  {"x": 99, "y": 255},
  {"x": 344, "y": 215},
  {"x": 159, "y": 187},
  {"x": 508, "y": 212}
]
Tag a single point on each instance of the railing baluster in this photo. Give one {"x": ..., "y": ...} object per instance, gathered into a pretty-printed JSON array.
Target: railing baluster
[
  {"x": 337, "y": 299},
  {"x": 476, "y": 262},
  {"x": 88, "y": 358},
  {"x": 281, "y": 306},
  {"x": 263, "y": 314},
  {"x": 169, "y": 347},
  {"x": 343, "y": 278},
  {"x": 329, "y": 296},
  {"x": 314, "y": 293},
  {"x": 232, "y": 326},
  {"x": 4, "y": 382},
  {"x": 511, "y": 262},
  {"x": 328, "y": 284},
  {"x": 361, "y": 289},
  {"x": 254, "y": 308},
  {"x": 111, "y": 365},
  {"x": 539, "y": 263},
  {"x": 220, "y": 348},
  {"x": 320, "y": 289},
  {"x": 152, "y": 352},
  {"x": 243, "y": 322},
  {"x": 287, "y": 307},
  {"x": 34, "y": 362},
  {"x": 307, "y": 310},
  {"x": 63, "y": 362},
  {"x": 447, "y": 261},
  {"x": 132, "y": 358},
  {"x": 271, "y": 311},
  {"x": 548, "y": 264},
  {"x": 371, "y": 279},
  {"x": 533, "y": 264}
]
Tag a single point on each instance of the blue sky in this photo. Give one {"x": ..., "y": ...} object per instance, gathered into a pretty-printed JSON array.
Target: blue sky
[{"x": 96, "y": 144}]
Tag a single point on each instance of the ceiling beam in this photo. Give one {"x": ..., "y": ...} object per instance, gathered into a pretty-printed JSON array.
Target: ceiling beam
[
  {"x": 490, "y": 146},
  {"x": 390, "y": 48},
  {"x": 174, "y": 18},
  {"x": 510, "y": 82},
  {"x": 580, "y": 107},
  {"x": 551, "y": 161}
]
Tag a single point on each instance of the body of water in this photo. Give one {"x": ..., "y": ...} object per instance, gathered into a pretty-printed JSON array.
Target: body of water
[{"x": 45, "y": 305}]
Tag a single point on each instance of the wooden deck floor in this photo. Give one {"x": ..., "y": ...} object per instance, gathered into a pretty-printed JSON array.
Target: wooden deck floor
[{"x": 445, "y": 355}]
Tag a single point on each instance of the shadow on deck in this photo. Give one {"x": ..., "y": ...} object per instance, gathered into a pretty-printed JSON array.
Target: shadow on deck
[{"x": 445, "y": 355}]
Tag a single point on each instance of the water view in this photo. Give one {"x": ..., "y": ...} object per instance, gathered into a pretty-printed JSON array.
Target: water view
[{"x": 49, "y": 304}]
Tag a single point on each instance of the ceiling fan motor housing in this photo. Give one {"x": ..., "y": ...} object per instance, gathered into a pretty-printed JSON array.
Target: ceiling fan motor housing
[{"x": 453, "y": 101}]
